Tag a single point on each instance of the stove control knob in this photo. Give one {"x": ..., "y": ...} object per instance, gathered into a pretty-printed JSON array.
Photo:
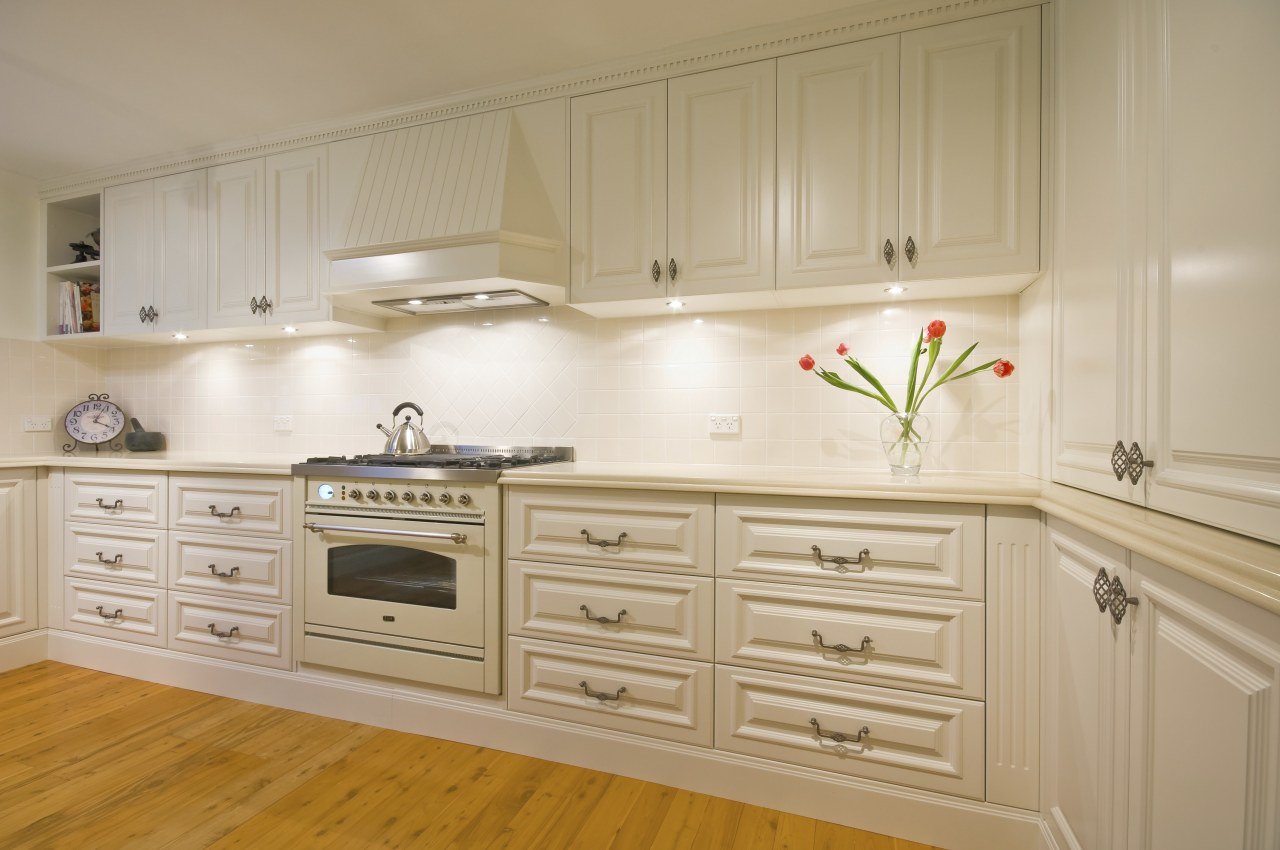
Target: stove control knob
[
  {"x": 445, "y": 498},
  {"x": 464, "y": 499},
  {"x": 357, "y": 495},
  {"x": 372, "y": 495},
  {"x": 406, "y": 496},
  {"x": 426, "y": 497},
  {"x": 390, "y": 495}
]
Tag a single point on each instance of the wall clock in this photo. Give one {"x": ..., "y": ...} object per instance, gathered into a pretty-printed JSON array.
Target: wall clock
[{"x": 95, "y": 422}]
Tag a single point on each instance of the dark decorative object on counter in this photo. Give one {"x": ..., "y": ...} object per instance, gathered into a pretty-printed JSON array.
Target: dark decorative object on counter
[{"x": 142, "y": 440}]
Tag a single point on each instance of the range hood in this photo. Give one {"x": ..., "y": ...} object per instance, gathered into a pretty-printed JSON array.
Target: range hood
[{"x": 441, "y": 213}]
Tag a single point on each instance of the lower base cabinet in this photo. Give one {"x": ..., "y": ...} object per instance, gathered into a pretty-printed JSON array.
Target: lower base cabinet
[
  {"x": 18, "y": 596},
  {"x": 119, "y": 611},
  {"x": 231, "y": 629}
]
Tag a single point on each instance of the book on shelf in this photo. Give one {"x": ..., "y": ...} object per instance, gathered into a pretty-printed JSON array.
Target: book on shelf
[{"x": 79, "y": 306}]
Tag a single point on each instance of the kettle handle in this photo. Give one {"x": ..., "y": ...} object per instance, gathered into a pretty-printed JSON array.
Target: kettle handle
[{"x": 408, "y": 404}]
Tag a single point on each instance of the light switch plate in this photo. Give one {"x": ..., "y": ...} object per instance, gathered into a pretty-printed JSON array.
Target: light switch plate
[{"x": 724, "y": 423}]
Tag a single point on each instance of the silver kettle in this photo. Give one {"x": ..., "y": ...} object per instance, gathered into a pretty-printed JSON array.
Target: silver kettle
[{"x": 407, "y": 438}]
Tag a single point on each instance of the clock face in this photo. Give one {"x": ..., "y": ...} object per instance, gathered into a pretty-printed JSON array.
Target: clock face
[{"x": 94, "y": 421}]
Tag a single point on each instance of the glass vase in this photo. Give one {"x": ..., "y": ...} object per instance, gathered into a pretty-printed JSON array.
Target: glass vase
[{"x": 905, "y": 436}]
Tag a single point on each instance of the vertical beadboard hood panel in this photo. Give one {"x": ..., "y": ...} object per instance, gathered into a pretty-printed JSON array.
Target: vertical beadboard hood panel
[{"x": 451, "y": 208}]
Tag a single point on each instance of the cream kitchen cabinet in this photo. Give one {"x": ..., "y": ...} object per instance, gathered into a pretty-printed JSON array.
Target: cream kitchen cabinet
[
  {"x": 673, "y": 186},
  {"x": 154, "y": 265},
  {"x": 267, "y": 218},
  {"x": 1163, "y": 301},
  {"x": 18, "y": 594},
  {"x": 912, "y": 157},
  {"x": 1160, "y": 710}
]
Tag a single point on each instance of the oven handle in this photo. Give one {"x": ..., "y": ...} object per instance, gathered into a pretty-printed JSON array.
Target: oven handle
[{"x": 456, "y": 537}]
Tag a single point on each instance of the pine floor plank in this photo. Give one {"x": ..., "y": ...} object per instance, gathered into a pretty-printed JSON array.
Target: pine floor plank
[{"x": 91, "y": 760}]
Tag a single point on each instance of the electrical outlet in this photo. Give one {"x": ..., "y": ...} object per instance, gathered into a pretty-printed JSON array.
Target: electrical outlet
[
  {"x": 37, "y": 423},
  {"x": 724, "y": 423},
  {"x": 283, "y": 424}
]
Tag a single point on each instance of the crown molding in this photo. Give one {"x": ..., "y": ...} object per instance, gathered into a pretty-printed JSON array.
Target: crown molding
[{"x": 858, "y": 23}]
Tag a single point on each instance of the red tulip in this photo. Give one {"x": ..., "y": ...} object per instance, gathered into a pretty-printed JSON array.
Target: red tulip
[
  {"x": 842, "y": 349},
  {"x": 935, "y": 330},
  {"x": 806, "y": 363},
  {"x": 1003, "y": 368}
]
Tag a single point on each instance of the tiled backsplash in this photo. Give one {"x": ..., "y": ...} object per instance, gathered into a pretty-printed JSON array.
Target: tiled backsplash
[{"x": 616, "y": 389}]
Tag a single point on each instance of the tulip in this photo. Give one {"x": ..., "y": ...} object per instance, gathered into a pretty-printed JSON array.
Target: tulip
[
  {"x": 1003, "y": 368},
  {"x": 806, "y": 363}
]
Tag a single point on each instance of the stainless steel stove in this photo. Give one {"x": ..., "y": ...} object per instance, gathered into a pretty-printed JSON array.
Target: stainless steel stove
[{"x": 402, "y": 563}]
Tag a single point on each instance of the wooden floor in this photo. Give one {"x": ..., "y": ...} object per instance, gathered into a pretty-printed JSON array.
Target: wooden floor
[{"x": 91, "y": 760}]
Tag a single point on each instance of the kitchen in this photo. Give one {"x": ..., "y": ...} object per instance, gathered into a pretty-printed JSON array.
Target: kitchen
[{"x": 638, "y": 389}]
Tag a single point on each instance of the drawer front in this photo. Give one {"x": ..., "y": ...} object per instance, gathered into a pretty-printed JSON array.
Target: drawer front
[
  {"x": 612, "y": 528},
  {"x": 659, "y": 697},
  {"x": 130, "y": 499},
  {"x": 924, "y": 741},
  {"x": 235, "y": 630},
  {"x": 902, "y": 641},
  {"x": 929, "y": 548},
  {"x": 249, "y": 567},
  {"x": 114, "y": 553},
  {"x": 135, "y": 614},
  {"x": 239, "y": 505},
  {"x": 663, "y": 614}
]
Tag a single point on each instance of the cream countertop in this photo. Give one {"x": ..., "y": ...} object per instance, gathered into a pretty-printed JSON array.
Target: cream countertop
[{"x": 164, "y": 462}]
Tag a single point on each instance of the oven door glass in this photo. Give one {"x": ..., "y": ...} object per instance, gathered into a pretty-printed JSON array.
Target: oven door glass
[{"x": 393, "y": 574}]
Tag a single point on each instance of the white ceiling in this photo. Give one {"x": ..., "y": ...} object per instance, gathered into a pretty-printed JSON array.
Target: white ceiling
[{"x": 88, "y": 85}]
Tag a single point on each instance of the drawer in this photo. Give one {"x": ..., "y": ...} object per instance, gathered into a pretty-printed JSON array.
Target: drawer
[
  {"x": 118, "y": 611},
  {"x": 659, "y": 697},
  {"x": 612, "y": 528},
  {"x": 927, "y": 548},
  {"x": 902, "y": 641},
  {"x": 128, "y": 498},
  {"x": 236, "y": 630},
  {"x": 924, "y": 741},
  {"x": 227, "y": 565},
  {"x": 114, "y": 553},
  {"x": 241, "y": 505},
  {"x": 663, "y": 614}
]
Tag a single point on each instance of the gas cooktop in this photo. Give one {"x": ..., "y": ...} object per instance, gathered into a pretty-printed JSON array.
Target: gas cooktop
[{"x": 456, "y": 463}]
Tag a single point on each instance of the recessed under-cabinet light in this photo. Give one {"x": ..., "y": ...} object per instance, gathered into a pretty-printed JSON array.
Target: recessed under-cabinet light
[
  {"x": 895, "y": 289},
  {"x": 179, "y": 335},
  {"x": 675, "y": 303},
  {"x": 290, "y": 329}
]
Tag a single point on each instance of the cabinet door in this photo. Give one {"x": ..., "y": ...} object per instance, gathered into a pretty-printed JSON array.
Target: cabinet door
[
  {"x": 721, "y": 162},
  {"x": 1214, "y": 293},
  {"x": 297, "y": 273},
  {"x": 618, "y": 209},
  {"x": 838, "y": 165},
  {"x": 1204, "y": 755},
  {"x": 971, "y": 147},
  {"x": 1086, "y": 700},
  {"x": 128, "y": 227},
  {"x": 17, "y": 551},
  {"x": 1097, "y": 375},
  {"x": 236, "y": 224},
  {"x": 181, "y": 267}
]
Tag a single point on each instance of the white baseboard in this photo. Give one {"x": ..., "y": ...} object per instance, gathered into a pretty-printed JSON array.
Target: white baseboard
[
  {"x": 920, "y": 816},
  {"x": 21, "y": 650}
]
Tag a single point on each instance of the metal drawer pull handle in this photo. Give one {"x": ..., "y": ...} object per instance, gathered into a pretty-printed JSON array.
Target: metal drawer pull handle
[
  {"x": 1110, "y": 595},
  {"x": 839, "y": 737},
  {"x": 119, "y": 503},
  {"x": 600, "y": 695},
  {"x": 656, "y": 271},
  {"x": 865, "y": 646},
  {"x": 213, "y": 509},
  {"x": 235, "y": 571},
  {"x": 889, "y": 254},
  {"x": 456, "y": 537},
  {"x": 841, "y": 561},
  {"x": 910, "y": 250},
  {"x": 213, "y": 630},
  {"x": 604, "y": 621},
  {"x": 601, "y": 542},
  {"x": 101, "y": 560},
  {"x": 104, "y": 615}
]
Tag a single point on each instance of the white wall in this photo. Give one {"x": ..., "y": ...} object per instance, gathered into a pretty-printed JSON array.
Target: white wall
[{"x": 19, "y": 213}]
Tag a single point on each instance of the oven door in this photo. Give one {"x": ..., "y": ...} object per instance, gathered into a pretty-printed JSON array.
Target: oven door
[{"x": 412, "y": 578}]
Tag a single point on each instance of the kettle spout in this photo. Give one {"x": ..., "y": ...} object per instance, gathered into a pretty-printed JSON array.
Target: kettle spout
[{"x": 383, "y": 430}]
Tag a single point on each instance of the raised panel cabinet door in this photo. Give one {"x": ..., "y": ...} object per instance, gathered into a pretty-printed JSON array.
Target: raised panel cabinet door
[
  {"x": 181, "y": 270},
  {"x": 128, "y": 256},
  {"x": 1214, "y": 289},
  {"x": 721, "y": 159},
  {"x": 17, "y": 551},
  {"x": 297, "y": 272},
  {"x": 237, "y": 225},
  {"x": 1086, "y": 696},
  {"x": 1096, "y": 376},
  {"x": 618, "y": 200},
  {"x": 971, "y": 147},
  {"x": 838, "y": 165},
  {"x": 1204, "y": 753}
]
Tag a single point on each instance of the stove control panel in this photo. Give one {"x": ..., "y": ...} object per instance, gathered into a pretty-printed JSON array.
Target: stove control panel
[{"x": 418, "y": 496}]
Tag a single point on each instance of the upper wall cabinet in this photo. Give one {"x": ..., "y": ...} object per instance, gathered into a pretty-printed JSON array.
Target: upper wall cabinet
[
  {"x": 673, "y": 187},
  {"x": 154, "y": 268},
  {"x": 1165, "y": 262},
  {"x": 912, "y": 157}
]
